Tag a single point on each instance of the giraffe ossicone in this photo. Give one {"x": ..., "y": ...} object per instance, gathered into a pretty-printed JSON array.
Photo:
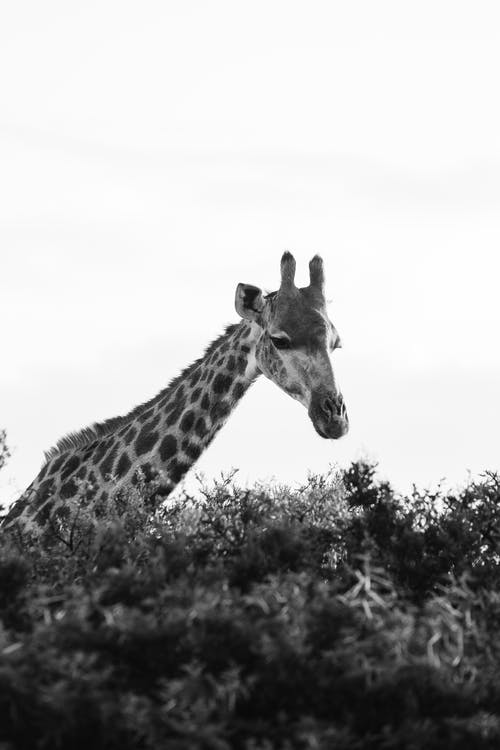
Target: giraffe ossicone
[{"x": 285, "y": 335}]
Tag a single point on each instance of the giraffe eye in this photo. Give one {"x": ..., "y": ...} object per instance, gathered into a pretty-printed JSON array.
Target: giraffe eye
[{"x": 280, "y": 342}]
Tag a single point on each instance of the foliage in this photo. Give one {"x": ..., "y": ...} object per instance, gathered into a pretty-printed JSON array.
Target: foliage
[
  {"x": 337, "y": 615},
  {"x": 4, "y": 451}
]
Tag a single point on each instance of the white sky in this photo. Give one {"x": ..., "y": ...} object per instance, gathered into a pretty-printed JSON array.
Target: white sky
[{"x": 154, "y": 154}]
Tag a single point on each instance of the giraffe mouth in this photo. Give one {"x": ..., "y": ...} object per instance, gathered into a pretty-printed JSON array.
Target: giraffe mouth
[{"x": 332, "y": 430}]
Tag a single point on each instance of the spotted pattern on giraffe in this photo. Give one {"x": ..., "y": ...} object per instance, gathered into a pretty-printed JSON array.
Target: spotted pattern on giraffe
[
  {"x": 174, "y": 416},
  {"x": 107, "y": 463},
  {"x": 130, "y": 436},
  {"x": 220, "y": 410},
  {"x": 43, "y": 515},
  {"x": 88, "y": 451},
  {"x": 191, "y": 449},
  {"x": 123, "y": 465},
  {"x": 43, "y": 492},
  {"x": 100, "y": 452},
  {"x": 154, "y": 422},
  {"x": 56, "y": 465},
  {"x": 68, "y": 489},
  {"x": 238, "y": 389},
  {"x": 144, "y": 417},
  {"x": 146, "y": 440},
  {"x": 187, "y": 421},
  {"x": 222, "y": 383},
  {"x": 195, "y": 376},
  {"x": 82, "y": 472},
  {"x": 168, "y": 447},
  {"x": 70, "y": 466},
  {"x": 43, "y": 471},
  {"x": 200, "y": 427},
  {"x": 195, "y": 395},
  {"x": 177, "y": 469}
]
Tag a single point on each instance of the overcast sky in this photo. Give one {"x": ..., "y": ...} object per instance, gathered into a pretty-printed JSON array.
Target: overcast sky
[{"x": 155, "y": 154}]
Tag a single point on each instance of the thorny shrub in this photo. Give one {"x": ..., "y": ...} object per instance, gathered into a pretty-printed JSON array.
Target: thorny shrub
[{"x": 336, "y": 615}]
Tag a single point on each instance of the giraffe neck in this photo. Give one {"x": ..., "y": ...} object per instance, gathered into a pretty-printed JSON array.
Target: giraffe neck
[
  {"x": 155, "y": 444},
  {"x": 195, "y": 407}
]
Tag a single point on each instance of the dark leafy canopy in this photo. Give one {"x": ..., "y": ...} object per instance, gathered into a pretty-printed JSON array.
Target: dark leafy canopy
[{"x": 339, "y": 615}]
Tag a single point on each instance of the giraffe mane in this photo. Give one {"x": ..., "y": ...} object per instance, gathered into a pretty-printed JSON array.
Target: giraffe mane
[{"x": 87, "y": 435}]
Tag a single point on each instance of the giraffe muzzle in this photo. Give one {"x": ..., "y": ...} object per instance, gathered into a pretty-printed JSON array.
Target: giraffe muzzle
[{"x": 329, "y": 415}]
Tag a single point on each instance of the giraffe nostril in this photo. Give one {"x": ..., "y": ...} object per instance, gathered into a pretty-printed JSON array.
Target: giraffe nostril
[
  {"x": 328, "y": 407},
  {"x": 332, "y": 407}
]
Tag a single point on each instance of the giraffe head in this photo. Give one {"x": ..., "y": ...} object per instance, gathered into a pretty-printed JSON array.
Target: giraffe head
[{"x": 295, "y": 339}]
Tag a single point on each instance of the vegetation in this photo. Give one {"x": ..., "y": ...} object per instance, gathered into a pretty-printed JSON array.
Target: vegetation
[{"x": 339, "y": 615}]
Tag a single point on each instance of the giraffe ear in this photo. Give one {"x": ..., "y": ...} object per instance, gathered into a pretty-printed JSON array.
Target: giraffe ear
[{"x": 249, "y": 301}]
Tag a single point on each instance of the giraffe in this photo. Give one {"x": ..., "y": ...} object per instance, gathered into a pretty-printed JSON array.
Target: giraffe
[{"x": 285, "y": 335}]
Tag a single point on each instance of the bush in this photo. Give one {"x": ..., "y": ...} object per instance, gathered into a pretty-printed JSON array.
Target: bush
[{"x": 338, "y": 615}]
